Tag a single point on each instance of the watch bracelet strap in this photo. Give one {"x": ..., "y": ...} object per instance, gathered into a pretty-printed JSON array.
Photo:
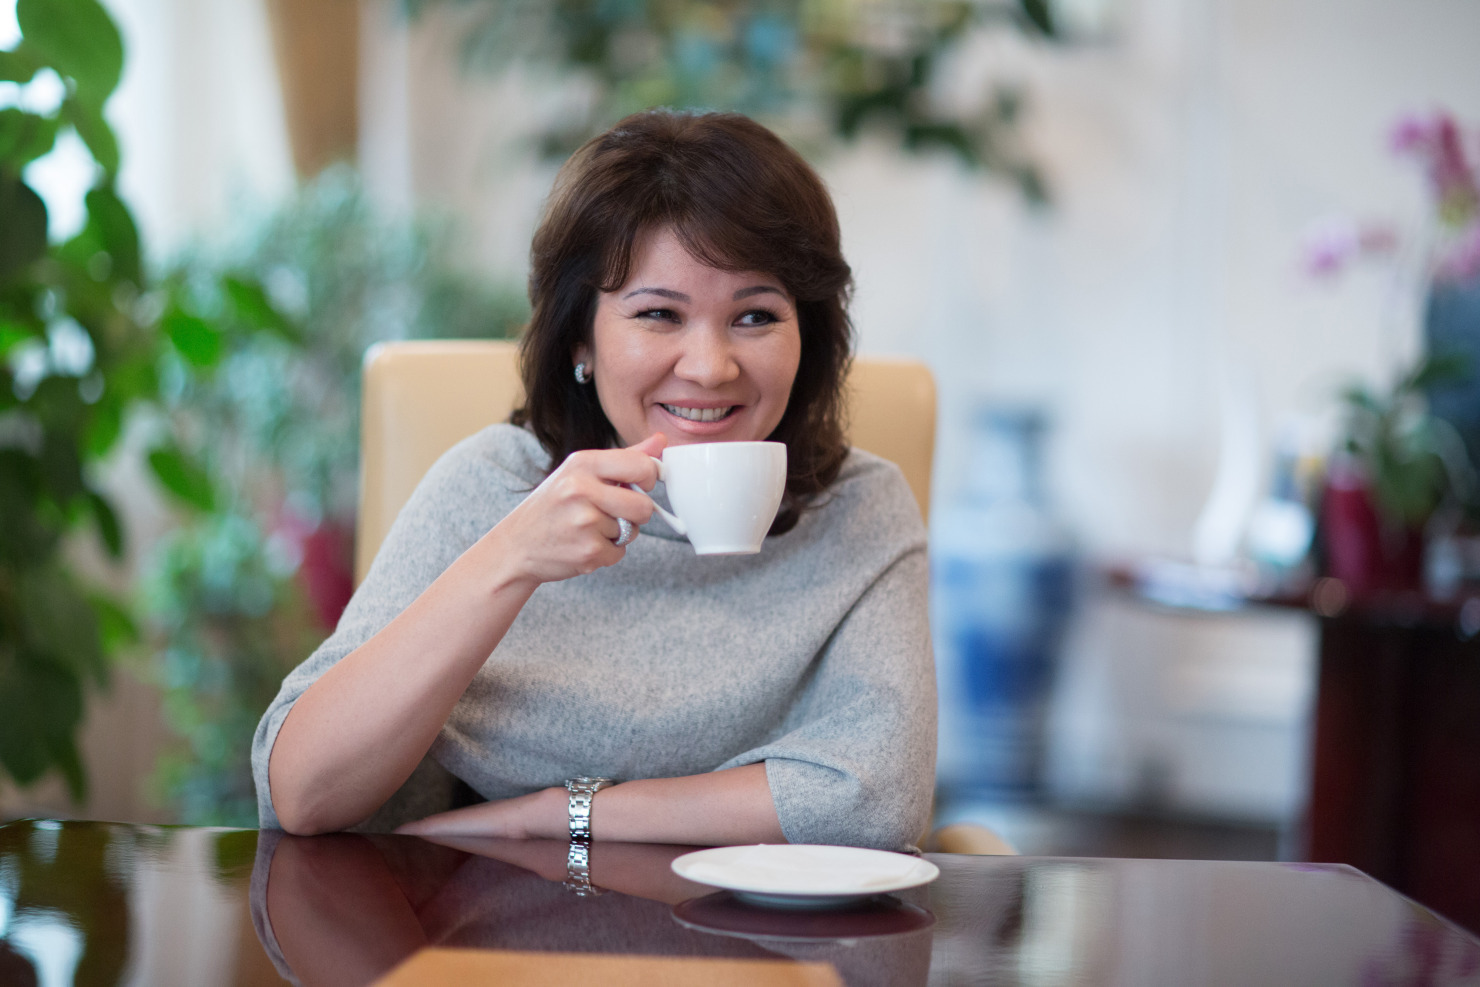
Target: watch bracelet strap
[
  {"x": 582, "y": 791},
  {"x": 578, "y": 870}
]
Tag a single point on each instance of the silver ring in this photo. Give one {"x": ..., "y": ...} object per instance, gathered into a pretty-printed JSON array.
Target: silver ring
[{"x": 627, "y": 531}]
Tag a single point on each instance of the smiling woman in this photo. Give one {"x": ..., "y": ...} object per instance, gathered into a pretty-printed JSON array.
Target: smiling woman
[{"x": 513, "y": 649}]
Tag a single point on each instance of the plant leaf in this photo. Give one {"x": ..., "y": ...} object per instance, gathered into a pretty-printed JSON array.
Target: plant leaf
[
  {"x": 10, "y": 334},
  {"x": 251, "y": 303},
  {"x": 61, "y": 467},
  {"x": 26, "y": 537},
  {"x": 88, "y": 121},
  {"x": 108, "y": 527},
  {"x": 60, "y": 625},
  {"x": 1443, "y": 368},
  {"x": 77, "y": 38},
  {"x": 114, "y": 227},
  {"x": 1040, "y": 14},
  {"x": 115, "y": 627},
  {"x": 182, "y": 477},
  {"x": 38, "y": 699},
  {"x": 59, "y": 408},
  {"x": 23, "y": 234},
  {"x": 1361, "y": 399},
  {"x": 196, "y": 339},
  {"x": 41, "y": 708},
  {"x": 103, "y": 428},
  {"x": 19, "y": 64},
  {"x": 24, "y": 137},
  {"x": 63, "y": 750}
]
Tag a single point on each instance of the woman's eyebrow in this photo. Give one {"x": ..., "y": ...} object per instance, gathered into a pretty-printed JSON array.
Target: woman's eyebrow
[
  {"x": 677, "y": 296},
  {"x": 757, "y": 290}
]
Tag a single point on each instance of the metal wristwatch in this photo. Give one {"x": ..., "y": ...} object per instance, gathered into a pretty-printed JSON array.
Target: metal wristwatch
[
  {"x": 578, "y": 858},
  {"x": 582, "y": 791}
]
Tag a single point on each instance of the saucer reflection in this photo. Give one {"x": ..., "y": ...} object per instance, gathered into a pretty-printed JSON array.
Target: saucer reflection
[{"x": 725, "y": 914}]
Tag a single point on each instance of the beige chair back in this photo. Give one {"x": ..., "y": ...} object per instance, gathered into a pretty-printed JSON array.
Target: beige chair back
[{"x": 423, "y": 397}]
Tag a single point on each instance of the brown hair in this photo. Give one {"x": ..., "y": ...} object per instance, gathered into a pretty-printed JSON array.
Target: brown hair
[{"x": 738, "y": 199}]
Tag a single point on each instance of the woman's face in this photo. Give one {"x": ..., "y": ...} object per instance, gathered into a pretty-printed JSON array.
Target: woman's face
[{"x": 699, "y": 354}]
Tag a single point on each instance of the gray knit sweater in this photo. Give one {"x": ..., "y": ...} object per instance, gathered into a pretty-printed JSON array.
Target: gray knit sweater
[{"x": 813, "y": 656}]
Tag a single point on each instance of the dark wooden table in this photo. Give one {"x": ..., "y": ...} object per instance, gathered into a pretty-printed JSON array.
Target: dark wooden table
[
  {"x": 103, "y": 903},
  {"x": 1395, "y": 784},
  {"x": 1395, "y": 763}
]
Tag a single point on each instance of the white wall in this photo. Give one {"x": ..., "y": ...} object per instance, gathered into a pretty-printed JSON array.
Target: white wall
[{"x": 199, "y": 117}]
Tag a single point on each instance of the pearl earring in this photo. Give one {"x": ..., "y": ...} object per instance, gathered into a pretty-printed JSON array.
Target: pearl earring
[{"x": 581, "y": 376}]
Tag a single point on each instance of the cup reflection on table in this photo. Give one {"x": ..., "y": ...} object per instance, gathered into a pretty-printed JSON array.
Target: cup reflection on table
[{"x": 345, "y": 909}]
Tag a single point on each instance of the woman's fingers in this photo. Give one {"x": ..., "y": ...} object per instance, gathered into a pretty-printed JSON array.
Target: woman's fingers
[
  {"x": 569, "y": 525},
  {"x": 633, "y": 464},
  {"x": 622, "y": 502},
  {"x": 615, "y": 466},
  {"x": 586, "y": 499}
]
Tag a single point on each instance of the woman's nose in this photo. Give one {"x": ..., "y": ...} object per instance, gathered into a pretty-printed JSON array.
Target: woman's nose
[{"x": 707, "y": 358}]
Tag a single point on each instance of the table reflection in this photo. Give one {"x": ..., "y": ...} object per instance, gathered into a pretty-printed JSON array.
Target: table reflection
[
  {"x": 1098, "y": 921},
  {"x": 108, "y": 903},
  {"x": 345, "y": 909}
]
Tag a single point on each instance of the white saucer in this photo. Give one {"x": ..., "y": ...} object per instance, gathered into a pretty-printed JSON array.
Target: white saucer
[{"x": 792, "y": 875}]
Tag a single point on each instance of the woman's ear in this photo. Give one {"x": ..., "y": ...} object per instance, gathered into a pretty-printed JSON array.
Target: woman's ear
[{"x": 581, "y": 354}]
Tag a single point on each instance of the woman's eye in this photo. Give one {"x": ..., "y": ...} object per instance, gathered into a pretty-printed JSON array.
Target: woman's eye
[
  {"x": 664, "y": 314},
  {"x": 758, "y": 317}
]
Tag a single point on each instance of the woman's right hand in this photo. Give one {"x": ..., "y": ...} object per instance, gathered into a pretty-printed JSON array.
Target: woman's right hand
[{"x": 568, "y": 525}]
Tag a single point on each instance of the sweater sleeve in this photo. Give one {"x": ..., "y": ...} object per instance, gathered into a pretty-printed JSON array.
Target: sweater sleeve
[
  {"x": 856, "y": 763},
  {"x": 464, "y": 493}
]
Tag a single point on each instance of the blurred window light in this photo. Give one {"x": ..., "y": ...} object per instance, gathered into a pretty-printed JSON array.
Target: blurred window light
[
  {"x": 43, "y": 94},
  {"x": 70, "y": 348},
  {"x": 10, "y": 31},
  {"x": 62, "y": 178}
]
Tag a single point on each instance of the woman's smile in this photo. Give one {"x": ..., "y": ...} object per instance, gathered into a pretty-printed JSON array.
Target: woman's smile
[
  {"x": 697, "y": 353},
  {"x": 698, "y": 414}
]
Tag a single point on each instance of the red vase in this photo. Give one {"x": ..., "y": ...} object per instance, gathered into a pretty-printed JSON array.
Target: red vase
[{"x": 1365, "y": 554}]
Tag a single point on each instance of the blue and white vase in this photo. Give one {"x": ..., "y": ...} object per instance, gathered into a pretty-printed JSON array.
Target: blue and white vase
[{"x": 1002, "y": 585}]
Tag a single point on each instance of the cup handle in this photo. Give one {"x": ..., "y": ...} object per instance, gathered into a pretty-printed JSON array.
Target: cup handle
[{"x": 673, "y": 521}]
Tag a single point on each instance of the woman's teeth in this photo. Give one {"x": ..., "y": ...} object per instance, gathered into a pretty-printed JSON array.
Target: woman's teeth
[{"x": 698, "y": 414}]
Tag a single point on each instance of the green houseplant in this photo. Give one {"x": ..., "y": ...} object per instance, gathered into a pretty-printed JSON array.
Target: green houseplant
[
  {"x": 82, "y": 334},
  {"x": 1400, "y": 474},
  {"x": 1414, "y": 461}
]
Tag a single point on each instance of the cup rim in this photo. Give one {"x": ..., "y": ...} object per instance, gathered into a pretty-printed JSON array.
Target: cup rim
[{"x": 735, "y": 444}]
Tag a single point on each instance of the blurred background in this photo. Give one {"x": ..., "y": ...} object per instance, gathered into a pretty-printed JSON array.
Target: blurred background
[{"x": 1198, "y": 280}]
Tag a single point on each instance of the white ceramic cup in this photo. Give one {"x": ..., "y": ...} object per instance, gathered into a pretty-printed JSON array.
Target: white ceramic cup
[{"x": 725, "y": 494}]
